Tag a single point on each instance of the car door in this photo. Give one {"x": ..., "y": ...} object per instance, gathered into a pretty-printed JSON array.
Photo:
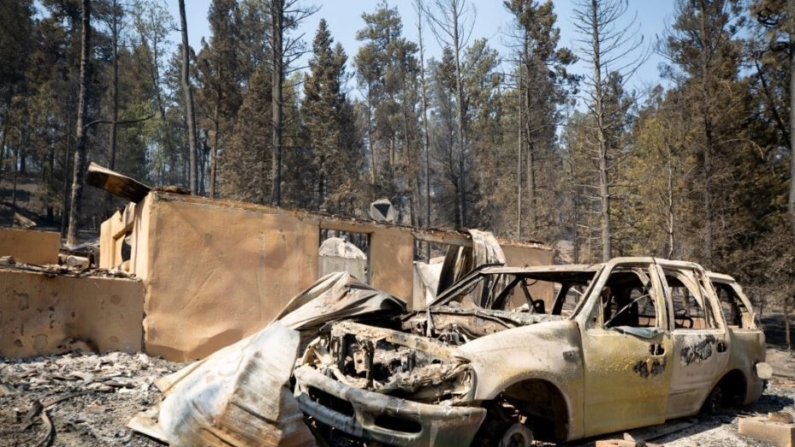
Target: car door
[
  {"x": 701, "y": 344},
  {"x": 627, "y": 351}
]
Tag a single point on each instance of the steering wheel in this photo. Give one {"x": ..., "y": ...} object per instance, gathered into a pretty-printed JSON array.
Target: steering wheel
[{"x": 627, "y": 306}]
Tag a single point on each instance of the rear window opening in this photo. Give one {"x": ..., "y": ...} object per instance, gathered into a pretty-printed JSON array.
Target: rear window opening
[{"x": 735, "y": 312}]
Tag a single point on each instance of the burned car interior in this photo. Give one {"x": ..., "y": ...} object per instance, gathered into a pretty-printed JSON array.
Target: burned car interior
[
  {"x": 735, "y": 305},
  {"x": 626, "y": 300},
  {"x": 492, "y": 299}
]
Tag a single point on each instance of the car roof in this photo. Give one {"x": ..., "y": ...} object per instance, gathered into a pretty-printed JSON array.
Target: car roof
[{"x": 720, "y": 277}]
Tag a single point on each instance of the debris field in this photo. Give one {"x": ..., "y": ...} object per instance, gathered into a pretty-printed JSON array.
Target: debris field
[{"x": 90, "y": 398}]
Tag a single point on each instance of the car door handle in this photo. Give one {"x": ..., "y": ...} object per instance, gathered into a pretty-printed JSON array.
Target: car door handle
[
  {"x": 656, "y": 349},
  {"x": 721, "y": 346}
]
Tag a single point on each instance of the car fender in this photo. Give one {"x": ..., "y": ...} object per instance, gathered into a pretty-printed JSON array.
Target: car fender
[{"x": 549, "y": 351}]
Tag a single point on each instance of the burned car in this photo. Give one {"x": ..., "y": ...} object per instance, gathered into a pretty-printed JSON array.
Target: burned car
[{"x": 508, "y": 355}]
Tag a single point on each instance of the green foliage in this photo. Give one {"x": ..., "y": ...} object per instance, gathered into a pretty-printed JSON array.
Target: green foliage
[
  {"x": 387, "y": 70},
  {"x": 245, "y": 166},
  {"x": 328, "y": 121}
]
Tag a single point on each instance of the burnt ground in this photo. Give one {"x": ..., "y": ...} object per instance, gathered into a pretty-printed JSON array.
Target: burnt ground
[
  {"x": 717, "y": 430},
  {"x": 89, "y": 399}
]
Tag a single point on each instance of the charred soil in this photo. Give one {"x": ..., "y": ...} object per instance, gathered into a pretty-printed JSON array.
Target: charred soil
[{"x": 88, "y": 399}]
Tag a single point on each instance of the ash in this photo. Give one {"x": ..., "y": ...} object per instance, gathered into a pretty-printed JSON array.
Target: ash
[{"x": 87, "y": 398}]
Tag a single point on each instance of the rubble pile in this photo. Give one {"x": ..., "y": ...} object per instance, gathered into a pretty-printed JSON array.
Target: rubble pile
[{"x": 78, "y": 399}]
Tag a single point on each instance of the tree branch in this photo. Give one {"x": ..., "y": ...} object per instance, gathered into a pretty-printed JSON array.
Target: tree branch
[{"x": 118, "y": 123}]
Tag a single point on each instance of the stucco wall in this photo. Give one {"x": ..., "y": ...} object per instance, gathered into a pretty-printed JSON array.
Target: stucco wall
[
  {"x": 392, "y": 262},
  {"x": 41, "y": 315},
  {"x": 530, "y": 255},
  {"x": 218, "y": 272},
  {"x": 525, "y": 255},
  {"x": 109, "y": 245},
  {"x": 30, "y": 247}
]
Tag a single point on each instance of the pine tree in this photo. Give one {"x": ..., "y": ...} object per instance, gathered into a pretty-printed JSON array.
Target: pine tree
[
  {"x": 82, "y": 110},
  {"x": 612, "y": 55},
  {"x": 220, "y": 77},
  {"x": 328, "y": 120},
  {"x": 451, "y": 22},
  {"x": 245, "y": 172},
  {"x": 543, "y": 85},
  {"x": 387, "y": 69},
  {"x": 702, "y": 45},
  {"x": 152, "y": 24}
]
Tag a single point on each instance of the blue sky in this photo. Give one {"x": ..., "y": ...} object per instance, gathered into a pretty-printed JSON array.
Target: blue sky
[{"x": 492, "y": 22}]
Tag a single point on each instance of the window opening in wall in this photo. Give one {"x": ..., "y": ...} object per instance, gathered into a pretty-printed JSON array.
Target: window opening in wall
[
  {"x": 126, "y": 248},
  {"x": 346, "y": 251},
  {"x": 437, "y": 251}
]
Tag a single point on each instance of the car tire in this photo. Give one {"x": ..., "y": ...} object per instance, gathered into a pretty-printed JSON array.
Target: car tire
[
  {"x": 716, "y": 401},
  {"x": 517, "y": 435}
]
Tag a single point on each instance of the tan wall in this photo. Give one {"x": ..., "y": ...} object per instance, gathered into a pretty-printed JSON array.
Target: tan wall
[
  {"x": 109, "y": 246},
  {"x": 140, "y": 260},
  {"x": 40, "y": 315},
  {"x": 520, "y": 255},
  {"x": 217, "y": 273},
  {"x": 113, "y": 233},
  {"x": 517, "y": 255},
  {"x": 30, "y": 247},
  {"x": 392, "y": 262}
]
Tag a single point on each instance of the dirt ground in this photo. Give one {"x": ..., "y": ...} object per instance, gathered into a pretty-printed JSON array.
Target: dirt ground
[{"x": 89, "y": 399}]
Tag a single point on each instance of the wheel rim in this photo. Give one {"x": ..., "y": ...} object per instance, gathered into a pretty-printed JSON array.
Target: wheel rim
[{"x": 517, "y": 435}]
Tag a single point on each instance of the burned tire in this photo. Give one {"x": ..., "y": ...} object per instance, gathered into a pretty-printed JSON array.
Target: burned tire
[
  {"x": 716, "y": 401},
  {"x": 517, "y": 435},
  {"x": 728, "y": 393}
]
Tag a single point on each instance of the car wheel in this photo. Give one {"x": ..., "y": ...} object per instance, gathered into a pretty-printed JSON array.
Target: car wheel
[
  {"x": 517, "y": 435},
  {"x": 716, "y": 401}
]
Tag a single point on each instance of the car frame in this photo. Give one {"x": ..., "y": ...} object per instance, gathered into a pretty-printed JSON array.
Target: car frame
[{"x": 634, "y": 352}]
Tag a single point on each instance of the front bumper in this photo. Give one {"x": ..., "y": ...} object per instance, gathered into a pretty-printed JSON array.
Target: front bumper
[{"x": 386, "y": 419}]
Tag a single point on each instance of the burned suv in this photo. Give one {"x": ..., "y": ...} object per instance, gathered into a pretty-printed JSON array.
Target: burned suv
[{"x": 556, "y": 353}]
